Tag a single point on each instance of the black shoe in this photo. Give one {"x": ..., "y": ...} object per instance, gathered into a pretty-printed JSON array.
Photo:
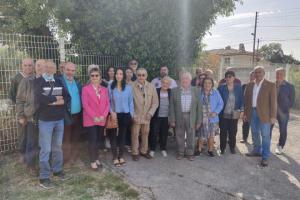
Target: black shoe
[
  {"x": 264, "y": 163},
  {"x": 146, "y": 155},
  {"x": 135, "y": 157},
  {"x": 222, "y": 151},
  {"x": 61, "y": 175},
  {"x": 210, "y": 153},
  {"x": 232, "y": 151},
  {"x": 197, "y": 153},
  {"x": 46, "y": 184},
  {"x": 253, "y": 154}
]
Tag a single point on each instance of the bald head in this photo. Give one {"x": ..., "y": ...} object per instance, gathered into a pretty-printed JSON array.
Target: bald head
[{"x": 27, "y": 66}]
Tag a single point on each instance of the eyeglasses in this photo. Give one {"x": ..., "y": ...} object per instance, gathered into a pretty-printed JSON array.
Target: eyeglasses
[
  {"x": 141, "y": 75},
  {"x": 94, "y": 75}
]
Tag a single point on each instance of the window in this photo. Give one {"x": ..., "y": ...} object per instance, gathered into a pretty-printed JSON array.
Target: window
[{"x": 227, "y": 61}]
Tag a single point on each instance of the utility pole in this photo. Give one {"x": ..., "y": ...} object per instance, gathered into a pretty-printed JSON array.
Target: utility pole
[
  {"x": 254, "y": 38},
  {"x": 257, "y": 48}
]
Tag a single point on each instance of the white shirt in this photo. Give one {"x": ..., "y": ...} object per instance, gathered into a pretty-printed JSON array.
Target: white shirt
[
  {"x": 256, "y": 90},
  {"x": 157, "y": 83}
]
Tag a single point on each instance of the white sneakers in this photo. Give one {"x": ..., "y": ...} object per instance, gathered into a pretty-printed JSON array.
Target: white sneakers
[
  {"x": 278, "y": 150},
  {"x": 164, "y": 153},
  {"x": 152, "y": 153}
]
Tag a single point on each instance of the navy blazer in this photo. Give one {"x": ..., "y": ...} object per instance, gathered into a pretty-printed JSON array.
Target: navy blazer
[
  {"x": 285, "y": 97},
  {"x": 238, "y": 93}
]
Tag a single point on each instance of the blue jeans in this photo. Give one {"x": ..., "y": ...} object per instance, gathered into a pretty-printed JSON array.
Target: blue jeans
[
  {"x": 50, "y": 141},
  {"x": 261, "y": 135},
  {"x": 283, "y": 119}
]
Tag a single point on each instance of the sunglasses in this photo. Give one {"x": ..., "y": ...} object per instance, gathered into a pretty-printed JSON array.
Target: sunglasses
[
  {"x": 94, "y": 75},
  {"x": 141, "y": 75}
]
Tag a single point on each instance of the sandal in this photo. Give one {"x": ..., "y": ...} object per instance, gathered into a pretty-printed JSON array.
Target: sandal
[
  {"x": 122, "y": 161},
  {"x": 116, "y": 163}
]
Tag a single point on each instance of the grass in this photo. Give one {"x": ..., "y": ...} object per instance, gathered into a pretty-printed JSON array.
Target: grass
[{"x": 84, "y": 184}]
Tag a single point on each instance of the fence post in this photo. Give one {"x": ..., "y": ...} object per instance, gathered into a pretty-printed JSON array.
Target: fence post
[{"x": 62, "y": 53}]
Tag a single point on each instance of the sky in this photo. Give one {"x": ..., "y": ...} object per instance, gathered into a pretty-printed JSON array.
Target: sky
[{"x": 278, "y": 21}]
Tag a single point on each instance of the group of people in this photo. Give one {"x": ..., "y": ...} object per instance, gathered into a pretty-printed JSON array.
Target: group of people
[{"x": 136, "y": 114}]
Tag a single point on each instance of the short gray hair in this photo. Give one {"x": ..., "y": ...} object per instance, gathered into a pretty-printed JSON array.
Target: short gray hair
[
  {"x": 93, "y": 66},
  {"x": 187, "y": 74},
  {"x": 142, "y": 69}
]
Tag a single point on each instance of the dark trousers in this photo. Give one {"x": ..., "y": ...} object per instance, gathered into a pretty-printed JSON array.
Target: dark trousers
[
  {"x": 95, "y": 134},
  {"x": 28, "y": 143},
  {"x": 283, "y": 119},
  {"x": 246, "y": 129},
  {"x": 228, "y": 129},
  {"x": 128, "y": 135},
  {"x": 118, "y": 140},
  {"x": 159, "y": 127},
  {"x": 71, "y": 138}
]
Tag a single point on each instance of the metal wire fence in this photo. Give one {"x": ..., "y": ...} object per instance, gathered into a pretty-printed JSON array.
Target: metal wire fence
[{"x": 14, "y": 48}]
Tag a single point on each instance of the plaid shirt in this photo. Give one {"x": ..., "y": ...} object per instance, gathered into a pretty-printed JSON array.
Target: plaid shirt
[{"x": 186, "y": 99}]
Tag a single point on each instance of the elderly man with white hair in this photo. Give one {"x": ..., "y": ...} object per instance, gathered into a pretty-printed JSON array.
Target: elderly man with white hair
[
  {"x": 185, "y": 115},
  {"x": 260, "y": 111},
  {"x": 145, "y": 104}
]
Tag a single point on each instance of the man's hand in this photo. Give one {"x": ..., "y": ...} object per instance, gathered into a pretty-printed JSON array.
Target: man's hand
[
  {"x": 273, "y": 120},
  {"x": 242, "y": 115},
  {"x": 244, "y": 118},
  {"x": 198, "y": 126},
  {"x": 23, "y": 122},
  {"x": 212, "y": 114},
  {"x": 148, "y": 117},
  {"x": 172, "y": 124},
  {"x": 113, "y": 115},
  {"x": 59, "y": 98}
]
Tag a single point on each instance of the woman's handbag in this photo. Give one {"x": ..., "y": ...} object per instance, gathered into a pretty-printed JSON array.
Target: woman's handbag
[{"x": 110, "y": 122}]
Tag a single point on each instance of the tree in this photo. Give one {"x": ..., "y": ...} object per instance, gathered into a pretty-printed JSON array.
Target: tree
[
  {"x": 273, "y": 52},
  {"x": 154, "y": 31}
]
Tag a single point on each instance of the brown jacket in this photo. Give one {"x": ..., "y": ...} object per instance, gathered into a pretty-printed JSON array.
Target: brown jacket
[
  {"x": 142, "y": 105},
  {"x": 25, "y": 99},
  {"x": 266, "y": 101}
]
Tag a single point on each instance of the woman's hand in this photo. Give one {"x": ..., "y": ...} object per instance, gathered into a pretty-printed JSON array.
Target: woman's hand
[
  {"x": 213, "y": 114},
  {"x": 113, "y": 115}
]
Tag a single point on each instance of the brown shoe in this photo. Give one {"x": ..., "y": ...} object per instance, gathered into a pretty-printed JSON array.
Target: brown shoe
[
  {"x": 135, "y": 157},
  {"x": 179, "y": 156},
  {"x": 146, "y": 155}
]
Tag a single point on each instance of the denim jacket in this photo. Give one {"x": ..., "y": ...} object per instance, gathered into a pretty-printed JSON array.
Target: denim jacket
[
  {"x": 216, "y": 104},
  {"x": 238, "y": 94}
]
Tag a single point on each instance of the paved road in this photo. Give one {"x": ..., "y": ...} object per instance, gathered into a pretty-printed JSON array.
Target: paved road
[{"x": 225, "y": 177}]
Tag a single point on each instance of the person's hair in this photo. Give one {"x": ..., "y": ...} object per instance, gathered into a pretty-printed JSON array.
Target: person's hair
[
  {"x": 128, "y": 68},
  {"x": 115, "y": 82},
  {"x": 259, "y": 67},
  {"x": 166, "y": 78},
  {"x": 142, "y": 69},
  {"x": 208, "y": 78},
  {"x": 229, "y": 73},
  {"x": 93, "y": 66},
  {"x": 186, "y": 73},
  {"x": 107, "y": 70},
  {"x": 163, "y": 66},
  {"x": 133, "y": 60},
  {"x": 50, "y": 62},
  {"x": 280, "y": 69},
  {"x": 95, "y": 70}
]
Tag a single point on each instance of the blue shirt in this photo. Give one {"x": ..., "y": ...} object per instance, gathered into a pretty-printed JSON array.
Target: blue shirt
[
  {"x": 121, "y": 101},
  {"x": 75, "y": 96},
  {"x": 216, "y": 104}
]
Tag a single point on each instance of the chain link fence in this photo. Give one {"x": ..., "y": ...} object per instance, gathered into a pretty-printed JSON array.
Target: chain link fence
[{"x": 15, "y": 47}]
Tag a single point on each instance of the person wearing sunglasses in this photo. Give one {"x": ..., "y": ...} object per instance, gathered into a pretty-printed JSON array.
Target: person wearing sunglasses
[
  {"x": 145, "y": 104},
  {"x": 233, "y": 110},
  {"x": 133, "y": 64},
  {"x": 95, "y": 103}
]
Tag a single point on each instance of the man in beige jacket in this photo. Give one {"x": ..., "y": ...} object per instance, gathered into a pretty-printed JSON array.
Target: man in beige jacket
[{"x": 145, "y": 104}]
